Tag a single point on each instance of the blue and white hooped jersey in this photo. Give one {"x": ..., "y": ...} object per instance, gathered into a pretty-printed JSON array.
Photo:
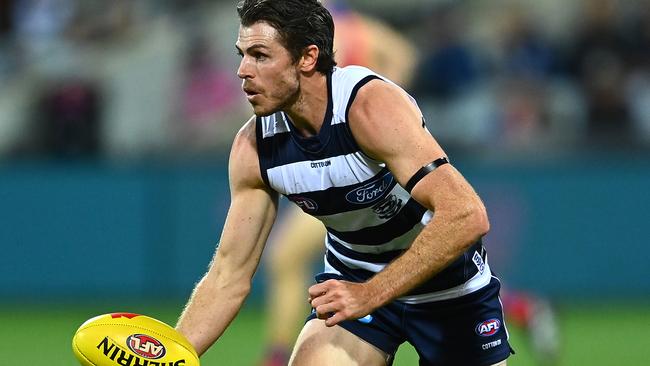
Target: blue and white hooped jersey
[{"x": 370, "y": 218}]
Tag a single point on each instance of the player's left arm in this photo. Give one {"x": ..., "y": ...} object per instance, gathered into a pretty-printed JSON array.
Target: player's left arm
[{"x": 387, "y": 126}]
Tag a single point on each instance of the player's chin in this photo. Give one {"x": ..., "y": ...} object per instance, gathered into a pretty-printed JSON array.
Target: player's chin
[{"x": 263, "y": 110}]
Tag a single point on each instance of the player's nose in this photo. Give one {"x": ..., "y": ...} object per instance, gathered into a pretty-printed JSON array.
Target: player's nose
[{"x": 245, "y": 70}]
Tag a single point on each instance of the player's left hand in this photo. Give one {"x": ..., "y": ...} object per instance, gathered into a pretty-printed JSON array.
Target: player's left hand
[{"x": 336, "y": 301}]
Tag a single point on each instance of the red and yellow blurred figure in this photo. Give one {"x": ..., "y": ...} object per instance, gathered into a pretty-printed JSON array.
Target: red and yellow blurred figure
[{"x": 362, "y": 40}]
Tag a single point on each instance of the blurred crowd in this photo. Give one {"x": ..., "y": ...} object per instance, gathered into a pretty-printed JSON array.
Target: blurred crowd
[
  {"x": 153, "y": 78},
  {"x": 575, "y": 75}
]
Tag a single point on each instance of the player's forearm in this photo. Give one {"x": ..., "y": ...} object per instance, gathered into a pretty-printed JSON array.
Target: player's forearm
[
  {"x": 213, "y": 305},
  {"x": 445, "y": 238}
]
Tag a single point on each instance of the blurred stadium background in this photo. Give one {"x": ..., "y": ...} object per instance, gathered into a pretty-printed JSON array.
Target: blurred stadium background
[{"x": 115, "y": 124}]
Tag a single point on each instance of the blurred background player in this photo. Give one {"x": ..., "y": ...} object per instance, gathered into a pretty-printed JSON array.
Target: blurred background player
[{"x": 367, "y": 41}]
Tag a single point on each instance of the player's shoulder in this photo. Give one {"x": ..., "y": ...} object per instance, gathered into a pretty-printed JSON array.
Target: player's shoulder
[
  {"x": 246, "y": 132},
  {"x": 350, "y": 81},
  {"x": 382, "y": 102},
  {"x": 353, "y": 73},
  {"x": 244, "y": 160},
  {"x": 346, "y": 83},
  {"x": 245, "y": 145},
  {"x": 350, "y": 69}
]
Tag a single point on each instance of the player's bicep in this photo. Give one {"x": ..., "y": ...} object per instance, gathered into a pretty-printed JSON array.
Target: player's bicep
[{"x": 252, "y": 211}]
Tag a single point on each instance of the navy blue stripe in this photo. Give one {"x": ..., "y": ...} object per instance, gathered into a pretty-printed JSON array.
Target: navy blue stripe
[
  {"x": 286, "y": 149},
  {"x": 353, "y": 95},
  {"x": 385, "y": 257},
  {"x": 457, "y": 273},
  {"x": 408, "y": 217},
  {"x": 353, "y": 197},
  {"x": 355, "y": 90},
  {"x": 351, "y": 274},
  {"x": 317, "y": 144}
]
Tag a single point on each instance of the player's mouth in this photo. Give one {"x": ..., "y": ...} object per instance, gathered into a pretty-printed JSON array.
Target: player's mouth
[{"x": 250, "y": 93}]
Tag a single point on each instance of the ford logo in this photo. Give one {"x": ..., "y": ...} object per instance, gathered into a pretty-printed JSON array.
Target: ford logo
[{"x": 370, "y": 192}]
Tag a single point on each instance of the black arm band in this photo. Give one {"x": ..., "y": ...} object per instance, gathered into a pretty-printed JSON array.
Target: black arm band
[{"x": 423, "y": 172}]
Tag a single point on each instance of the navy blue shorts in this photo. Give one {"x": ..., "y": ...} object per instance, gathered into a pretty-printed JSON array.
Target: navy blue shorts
[{"x": 469, "y": 330}]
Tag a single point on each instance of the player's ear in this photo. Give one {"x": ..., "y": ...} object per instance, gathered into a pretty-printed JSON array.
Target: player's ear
[{"x": 309, "y": 58}]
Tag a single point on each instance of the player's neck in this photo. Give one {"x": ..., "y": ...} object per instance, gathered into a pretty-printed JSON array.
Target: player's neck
[{"x": 308, "y": 112}]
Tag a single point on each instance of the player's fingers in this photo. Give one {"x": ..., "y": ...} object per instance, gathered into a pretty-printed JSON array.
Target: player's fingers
[
  {"x": 320, "y": 300},
  {"x": 334, "y": 319},
  {"x": 321, "y": 289},
  {"x": 323, "y": 316},
  {"x": 326, "y": 309},
  {"x": 317, "y": 290}
]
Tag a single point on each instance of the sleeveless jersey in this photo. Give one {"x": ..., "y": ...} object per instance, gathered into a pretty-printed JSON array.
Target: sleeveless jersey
[{"x": 370, "y": 219}]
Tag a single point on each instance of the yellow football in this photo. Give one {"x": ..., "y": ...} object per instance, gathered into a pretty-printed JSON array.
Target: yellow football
[{"x": 125, "y": 339}]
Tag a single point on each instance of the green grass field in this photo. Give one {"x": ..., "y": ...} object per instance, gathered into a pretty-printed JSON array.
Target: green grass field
[{"x": 591, "y": 335}]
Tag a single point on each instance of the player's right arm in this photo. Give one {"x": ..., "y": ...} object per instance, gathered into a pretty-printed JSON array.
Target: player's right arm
[{"x": 219, "y": 295}]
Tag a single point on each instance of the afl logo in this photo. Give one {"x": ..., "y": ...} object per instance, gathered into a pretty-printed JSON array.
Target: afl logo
[
  {"x": 372, "y": 191},
  {"x": 146, "y": 346},
  {"x": 488, "y": 327},
  {"x": 306, "y": 204}
]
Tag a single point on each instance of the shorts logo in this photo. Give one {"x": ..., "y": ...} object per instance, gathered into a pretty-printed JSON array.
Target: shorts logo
[
  {"x": 488, "y": 327},
  {"x": 478, "y": 261},
  {"x": 370, "y": 192},
  {"x": 492, "y": 344},
  {"x": 146, "y": 346},
  {"x": 306, "y": 204},
  {"x": 366, "y": 319}
]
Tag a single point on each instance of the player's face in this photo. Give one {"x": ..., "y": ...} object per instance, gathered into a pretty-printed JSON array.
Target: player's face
[{"x": 269, "y": 77}]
